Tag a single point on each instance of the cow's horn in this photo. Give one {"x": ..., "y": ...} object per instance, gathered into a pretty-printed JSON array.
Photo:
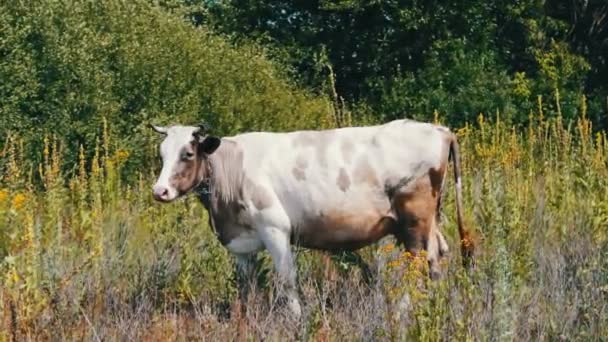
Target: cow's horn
[
  {"x": 204, "y": 128},
  {"x": 159, "y": 129}
]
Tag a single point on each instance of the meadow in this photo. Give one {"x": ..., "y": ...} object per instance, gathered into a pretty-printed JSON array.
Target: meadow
[{"x": 88, "y": 255}]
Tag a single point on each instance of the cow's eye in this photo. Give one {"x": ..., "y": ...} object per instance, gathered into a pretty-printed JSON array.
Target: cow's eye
[{"x": 188, "y": 155}]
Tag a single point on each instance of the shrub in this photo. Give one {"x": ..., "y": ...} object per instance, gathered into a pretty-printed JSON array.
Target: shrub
[{"x": 68, "y": 65}]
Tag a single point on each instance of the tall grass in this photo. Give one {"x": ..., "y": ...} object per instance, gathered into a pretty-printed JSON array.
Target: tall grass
[{"x": 84, "y": 255}]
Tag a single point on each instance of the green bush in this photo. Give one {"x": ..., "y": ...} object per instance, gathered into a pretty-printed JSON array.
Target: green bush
[{"x": 67, "y": 65}]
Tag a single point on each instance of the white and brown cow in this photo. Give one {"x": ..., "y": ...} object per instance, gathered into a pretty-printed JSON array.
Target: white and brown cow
[{"x": 338, "y": 189}]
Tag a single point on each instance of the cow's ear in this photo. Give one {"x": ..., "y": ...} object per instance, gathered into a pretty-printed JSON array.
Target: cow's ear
[{"x": 209, "y": 144}]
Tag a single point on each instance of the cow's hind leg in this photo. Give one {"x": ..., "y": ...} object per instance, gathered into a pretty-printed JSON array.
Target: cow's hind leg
[
  {"x": 416, "y": 208},
  {"x": 443, "y": 245}
]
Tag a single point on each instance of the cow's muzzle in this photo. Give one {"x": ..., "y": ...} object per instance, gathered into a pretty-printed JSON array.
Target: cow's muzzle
[{"x": 161, "y": 193}]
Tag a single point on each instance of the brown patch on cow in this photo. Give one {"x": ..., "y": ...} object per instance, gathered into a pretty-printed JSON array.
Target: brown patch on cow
[
  {"x": 226, "y": 220},
  {"x": 415, "y": 208},
  {"x": 187, "y": 172},
  {"x": 343, "y": 181},
  {"x": 344, "y": 230},
  {"x": 436, "y": 177},
  {"x": 298, "y": 173},
  {"x": 260, "y": 196},
  {"x": 319, "y": 140},
  {"x": 364, "y": 173},
  {"x": 348, "y": 149}
]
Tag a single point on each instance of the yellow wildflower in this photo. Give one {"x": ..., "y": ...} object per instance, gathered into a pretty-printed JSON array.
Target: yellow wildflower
[
  {"x": 122, "y": 155},
  {"x": 406, "y": 255},
  {"x": 464, "y": 131},
  {"x": 19, "y": 201},
  {"x": 388, "y": 248},
  {"x": 394, "y": 263},
  {"x": 13, "y": 276}
]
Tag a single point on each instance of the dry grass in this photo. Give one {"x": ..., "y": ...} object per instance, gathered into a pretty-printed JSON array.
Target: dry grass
[{"x": 89, "y": 257}]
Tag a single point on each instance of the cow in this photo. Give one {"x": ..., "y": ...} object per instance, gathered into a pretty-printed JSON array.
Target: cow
[{"x": 334, "y": 190}]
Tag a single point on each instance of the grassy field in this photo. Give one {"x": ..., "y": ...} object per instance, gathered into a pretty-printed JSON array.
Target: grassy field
[{"x": 86, "y": 256}]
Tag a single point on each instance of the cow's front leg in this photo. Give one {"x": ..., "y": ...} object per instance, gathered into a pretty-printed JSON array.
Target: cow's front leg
[
  {"x": 277, "y": 243},
  {"x": 246, "y": 268}
]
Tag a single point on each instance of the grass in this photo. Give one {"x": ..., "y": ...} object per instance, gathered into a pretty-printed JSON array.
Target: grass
[{"x": 85, "y": 256}]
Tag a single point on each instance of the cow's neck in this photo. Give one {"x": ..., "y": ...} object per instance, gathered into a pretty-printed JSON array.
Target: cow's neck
[{"x": 222, "y": 176}]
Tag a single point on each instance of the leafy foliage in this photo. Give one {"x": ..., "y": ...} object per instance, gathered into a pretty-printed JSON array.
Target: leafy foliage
[
  {"x": 66, "y": 66},
  {"x": 411, "y": 57}
]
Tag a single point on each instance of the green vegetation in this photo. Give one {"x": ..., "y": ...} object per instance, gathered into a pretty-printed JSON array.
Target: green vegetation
[
  {"x": 98, "y": 258},
  {"x": 68, "y": 65},
  {"x": 413, "y": 57},
  {"x": 85, "y": 253}
]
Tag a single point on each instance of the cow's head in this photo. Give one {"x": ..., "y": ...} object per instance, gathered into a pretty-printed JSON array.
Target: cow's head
[{"x": 184, "y": 155}]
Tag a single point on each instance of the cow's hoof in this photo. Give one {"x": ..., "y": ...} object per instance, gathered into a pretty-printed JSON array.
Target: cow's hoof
[
  {"x": 435, "y": 275},
  {"x": 293, "y": 305},
  {"x": 434, "y": 271}
]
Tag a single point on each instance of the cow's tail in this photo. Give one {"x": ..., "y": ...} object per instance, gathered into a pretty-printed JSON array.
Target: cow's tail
[{"x": 467, "y": 245}]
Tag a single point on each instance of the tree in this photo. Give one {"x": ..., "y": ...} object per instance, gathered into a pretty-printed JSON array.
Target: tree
[{"x": 409, "y": 56}]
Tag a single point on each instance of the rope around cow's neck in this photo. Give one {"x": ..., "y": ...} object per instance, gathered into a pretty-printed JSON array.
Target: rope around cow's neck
[{"x": 203, "y": 188}]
